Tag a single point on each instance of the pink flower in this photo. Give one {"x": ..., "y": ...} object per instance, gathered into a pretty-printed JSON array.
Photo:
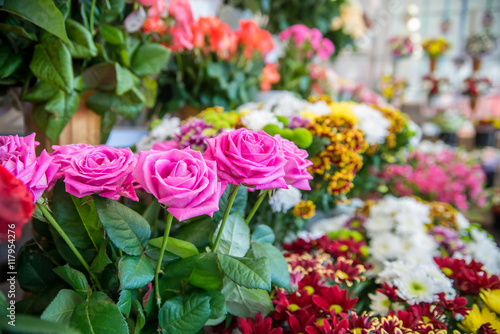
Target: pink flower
[
  {"x": 17, "y": 155},
  {"x": 166, "y": 145},
  {"x": 182, "y": 180},
  {"x": 62, "y": 156},
  {"x": 254, "y": 159},
  {"x": 296, "y": 173},
  {"x": 180, "y": 10},
  {"x": 149, "y": 2},
  {"x": 101, "y": 170}
]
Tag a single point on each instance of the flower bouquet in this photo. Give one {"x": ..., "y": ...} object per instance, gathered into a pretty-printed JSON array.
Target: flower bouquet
[
  {"x": 213, "y": 64},
  {"x": 392, "y": 87},
  {"x": 445, "y": 175},
  {"x": 400, "y": 47},
  {"x": 477, "y": 46},
  {"x": 382, "y": 270},
  {"x": 180, "y": 258},
  {"x": 435, "y": 47},
  {"x": 302, "y": 46},
  {"x": 474, "y": 87},
  {"x": 434, "y": 86}
]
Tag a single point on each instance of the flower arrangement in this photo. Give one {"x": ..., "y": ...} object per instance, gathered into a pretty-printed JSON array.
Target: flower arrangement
[
  {"x": 444, "y": 175},
  {"x": 302, "y": 46},
  {"x": 433, "y": 85},
  {"x": 392, "y": 87},
  {"x": 105, "y": 264},
  {"x": 400, "y": 46},
  {"x": 435, "y": 47},
  {"x": 382, "y": 270},
  {"x": 475, "y": 87},
  {"x": 479, "y": 45},
  {"x": 213, "y": 64},
  {"x": 449, "y": 120}
]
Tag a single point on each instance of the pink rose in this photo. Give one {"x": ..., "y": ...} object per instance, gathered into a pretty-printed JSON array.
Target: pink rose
[
  {"x": 166, "y": 145},
  {"x": 101, "y": 170},
  {"x": 252, "y": 158},
  {"x": 62, "y": 156},
  {"x": 17, "y": 155},
  {"x": 182, "y": 180},
  {"x": 296, "y": 173}
]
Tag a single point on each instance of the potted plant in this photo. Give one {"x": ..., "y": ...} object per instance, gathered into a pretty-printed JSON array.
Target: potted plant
[{"x": 79, "y": 56}]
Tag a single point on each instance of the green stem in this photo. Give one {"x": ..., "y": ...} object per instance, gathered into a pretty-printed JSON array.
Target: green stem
[
  {"x": 59, "y": 230},
  {"x": 170, "y": 218},
  {"x": 256, "y": 205},
  {"x": 92, "y": 10},
  {"x": 226, "y": 214}
]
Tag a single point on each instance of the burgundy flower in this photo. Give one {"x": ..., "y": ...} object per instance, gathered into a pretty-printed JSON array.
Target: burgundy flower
[{"x": 257, "y": 325}]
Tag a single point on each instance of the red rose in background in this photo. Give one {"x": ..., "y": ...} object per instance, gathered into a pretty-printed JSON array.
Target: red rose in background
[{"x": 16, "y": 204}]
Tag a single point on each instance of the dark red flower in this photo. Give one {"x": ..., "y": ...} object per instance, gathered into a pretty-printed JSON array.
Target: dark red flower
[
  {"x": 299, "y": 322},
  {"x": 345, "y": 271},
  {"x": 258, "y": 325},
  {"x": 486, "y": 329},
  {"x": 333, "y": 299},
  {"x": 294, "y": 303},
  {"x": 329, "y": 326},
  {"x": 311, "y": 283},
  {"x": 390, "y": 292},
  {"x": 427, "y": 317},
  {"x": 456, "y": 306},
  {"x": 360, "y": 324},
  {"x": 16, "y": 205}
]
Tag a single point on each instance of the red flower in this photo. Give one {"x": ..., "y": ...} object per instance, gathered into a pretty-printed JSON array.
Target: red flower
[
  {"x": 345, "y": 271},
  {"x": 456, "y": 306},
  {"x": 254, "y": 39},
  {"x": 16, "y": 205},
  {"x": 311, "y": 283},
  {"x": 323, "y": 326},
  {"x": 390, "y": 292},
  {"x": 331, "y": 299},
  {"x": 428, "y": 317},
  {"x": 295, "y": 303},
  {"x": 257, "y": 326},
  {"x": 363, "y": 324},
  {"x": 299, "y": 322}
]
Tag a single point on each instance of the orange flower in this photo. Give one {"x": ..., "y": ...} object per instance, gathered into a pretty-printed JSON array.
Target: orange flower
[
  {"x": 154, "y": 25},
  {"x": 253, "y": 38},
  {"x": 211, "y": 34},
  {"x": 269, "y": 76}
]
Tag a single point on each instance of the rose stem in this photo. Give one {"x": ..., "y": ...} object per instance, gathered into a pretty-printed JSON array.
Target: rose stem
[
  {"x": 170, "y": 218},
  {"x": 59, "y": 230},
  {"x": 226, "y": 214},
  {"x": 256, "y": 205}
]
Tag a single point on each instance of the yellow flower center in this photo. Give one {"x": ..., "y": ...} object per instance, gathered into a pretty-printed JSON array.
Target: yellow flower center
[
  {"x": 293, "y": 307},
  {"x": 319, "y": 322},
  {"x": 356, "y": 330},
  {"x": 337, "y": 308},
  {"x": 342, "y": 275},
  {"x": 309, "y": 289},
  {"x": 343, "y": 248},
  {"x": 447, "y": 271},
  {"x": 426, "y": 319}
]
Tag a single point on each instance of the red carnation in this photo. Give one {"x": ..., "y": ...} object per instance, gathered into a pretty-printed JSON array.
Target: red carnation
[{"x": 16, "y": 205}]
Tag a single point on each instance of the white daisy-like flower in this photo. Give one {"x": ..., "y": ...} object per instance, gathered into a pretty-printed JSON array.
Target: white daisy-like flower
[
  {"x": 319, "y": 108},
  {"x": 283, "y": 200},
  {"x": 416, "y": 287},
  {"x": 385, "y": 246},
  {"x": 286, "y": 104},
  {"x": 379, "y": 303},
  {"x": 256, "y": 120},
  {"x": 484, "y": 250},
  {"x": 371, "y": 121},
  {"x": 463, "y": 223},
  {"x": 328, "y": 225},
  {"x": 168, "y": 128},
  {"x": 378, "y": 224}
]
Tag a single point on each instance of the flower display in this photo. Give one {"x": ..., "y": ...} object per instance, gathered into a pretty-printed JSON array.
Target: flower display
[
  {"x": 435, "y": 47},
  {"x": 16, "y": 206},
  {"x": 434, "y": 85},
  {"x": 446, "y": 176},
  {"x": 182, "y": 180},
  {"x": 296, "y": 173},
  {"x": 391, "y": 87},
  {"x": 479, "y": 45},
  {"x": 475, "y": 87},
  {"x": 400, "y": 46},
  {"x": 17, "y": 155}
]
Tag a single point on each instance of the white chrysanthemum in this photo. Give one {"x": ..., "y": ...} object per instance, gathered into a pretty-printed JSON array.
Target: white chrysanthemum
[
  {"x": 426, "y": 146},
  {"x": 286, "y": 104},
  {"x": 385, "y": 246},
  {"x": 169, "y": 127},
  {"x": 462, "y": 222},
  {"x": 371, "y": 121},
  {"x": 319, "y": 108},
  {"x": 308, "y": 236},
  {"x": 328, "y": 225},
  {"x": 252, "y": 106},
  {"x": 283, "y": 200},
  {"x": 256, "y": 120},
  {"x": 379, "y": 303},
  {"x": 484, "y": 250},
  {"x": 145, "y": 143},
  {"x": 378, "y": 224}
]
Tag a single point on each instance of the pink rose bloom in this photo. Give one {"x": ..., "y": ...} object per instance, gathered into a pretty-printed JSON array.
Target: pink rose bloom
[
  {"x": 17, "y": 155},
  {"x": 296, "y": 173},
  {"x": 254, "y": 159},
  {"x": 101, "y": 170},
  {"x": 149, "y": 2},
  {"x": 180, "y": 10},
  {"x": 62, "y": 156},
  {"x": 166, "y": 145},
  {"x": 182, "y": 180}
]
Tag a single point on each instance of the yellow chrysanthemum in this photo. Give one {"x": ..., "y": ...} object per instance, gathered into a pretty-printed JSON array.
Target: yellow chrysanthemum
[
  {"x": 492, "y": 299},
  {"x": 476, "y": 318},
  {"x": 304, "y": 209}
]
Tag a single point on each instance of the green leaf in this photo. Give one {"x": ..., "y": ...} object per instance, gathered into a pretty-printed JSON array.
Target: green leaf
[
  {"x": 217, "y": 304},
  {"x": 149, "y": 89},
  {"x": 52, "y": 63},
  {"x": 111, "y": 9},
  {"x": 43, "y": 13},
  {"x": 85, "y": 207},
  {"x": 175, "y": 246},
  {"x": 250, "y": 273},
  {"x": 128, "y": 105},
  {"x": 61, "y": 308},
  {"x": 108, "y": 121},
  {"x": 100, "y": 76},
  {"x": 56, "y": 103},
  {"x": 196, "y": 232},
  {"x": 184, "y": 314},
  {"x": 134, "y": 272},
  {"x": 263, "y": 233},
  {"x": 3, "y": 305},
  {"x": 200, "y": 270},
  {"x": 243, "y": 302},
  {"x": 150, "y": 59},
  {"x": 141, "y": 317},
  {"x": 235, "y": 238},
  {"x": 124, "y": 80},
  {"x": 101, "y": 260},
  {"x": 127, "y": 229},
  {"x": 99, "y": 315},
  {"x": 112, "y": 35},
  {"x": 19, "y": 30},
  {"x": 151, "y": 213},
  {"x": 68, "y": 217},
  {"x": 75, "y": 278},
  {"x": 10, "y": 61},
  {"x": 279, "y": 273},
  {"x": 82, "y": 44},
  {"x": 26, "y": 324},
  {"x": 125, "y": 302},
  {"x": 239, "y": 204},
  {"x": 41, "y": 92},
  {"x": 34, "y": 270}
]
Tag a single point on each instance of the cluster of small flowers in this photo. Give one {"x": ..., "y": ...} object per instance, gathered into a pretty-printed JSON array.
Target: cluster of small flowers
[
  {"x": 400, "y": 46},
  {"x": 447, "y": 176},
  {"x": 308, "y": 40},
  {"x": 435, "y": 46}
]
